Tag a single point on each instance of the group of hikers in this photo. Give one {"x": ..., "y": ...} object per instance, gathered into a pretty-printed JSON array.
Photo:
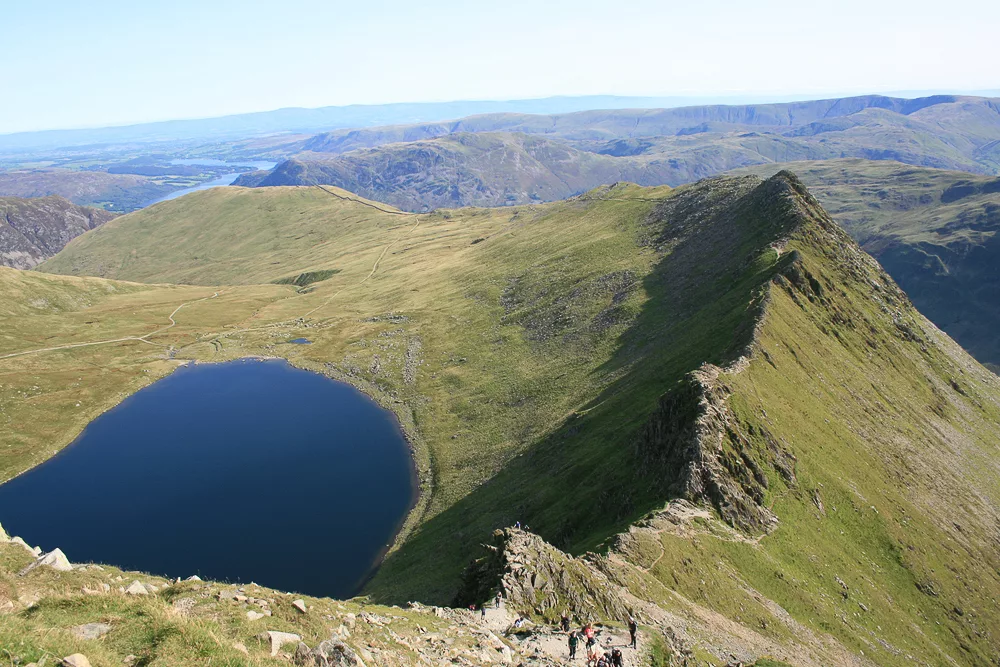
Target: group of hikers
[
  {"x": 587, "y": 634},
  {"x": 595, "y": 656}
]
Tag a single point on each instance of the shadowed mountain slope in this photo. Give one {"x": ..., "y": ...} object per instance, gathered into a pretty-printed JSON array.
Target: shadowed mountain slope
[{"x": 32, "y": 230}]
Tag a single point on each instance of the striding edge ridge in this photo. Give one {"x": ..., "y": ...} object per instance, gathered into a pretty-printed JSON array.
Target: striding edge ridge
[{"x": 701, "y": 447}]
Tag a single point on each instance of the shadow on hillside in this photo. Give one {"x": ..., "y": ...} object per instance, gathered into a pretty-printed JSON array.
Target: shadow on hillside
[{"x": 585, "y": 482}]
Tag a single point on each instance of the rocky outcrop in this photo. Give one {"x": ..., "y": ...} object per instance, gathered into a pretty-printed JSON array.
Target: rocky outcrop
[
  {"x": 55, "y": 559},
  {"x": 535, "y": 577},
  {"x": 32, "y": 230}
]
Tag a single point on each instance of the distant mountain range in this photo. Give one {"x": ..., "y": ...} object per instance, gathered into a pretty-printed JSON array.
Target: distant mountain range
[
  {"x": 523, "y": 158},
  {"x": 310, "y": 121}
]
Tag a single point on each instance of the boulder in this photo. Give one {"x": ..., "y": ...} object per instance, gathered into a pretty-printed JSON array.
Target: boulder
[
  {"x": 278, "y": 639},
  {"x": 334, "y": 653},
  {"x": 18, "y": 541},
  {"x": 91, "y": 630},
  {"x": 254, "y": 616},
  {"x": 76, "y": 660},
  {"x": 136, "y": 588},
  {"x": 4, "y": 537},
  {"x": 193, "y": 577},
  {"x": 300, "y": 605},
  {"x": 152, "y": 588},
  {"x": 55, "y": 559}
]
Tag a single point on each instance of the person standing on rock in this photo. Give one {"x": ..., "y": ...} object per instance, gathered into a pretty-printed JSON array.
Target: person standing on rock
[
  {"x": 499, "y": 598},
  {"x": 574, "y": 640},
  {"x": 633, "y": 630},
  {"x": 588, "y": 632}
]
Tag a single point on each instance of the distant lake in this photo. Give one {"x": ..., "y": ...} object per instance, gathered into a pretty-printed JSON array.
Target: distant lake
[
  {"x": 242, "y": 471},
  {"x": 224, "y": 179}
]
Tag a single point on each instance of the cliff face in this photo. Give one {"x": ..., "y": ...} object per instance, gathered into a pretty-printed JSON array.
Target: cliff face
[{"x": 32, "y": 230}]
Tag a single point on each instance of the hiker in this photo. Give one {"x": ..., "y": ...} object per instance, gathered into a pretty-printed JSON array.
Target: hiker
[
  {"x": 499, "y": 598},
  {"x": 564, "y": 621},
  {"x": 603, "y": 661},
  {"x": 588, "y": 632},
  {"x": 633, "y": 629},
  {"x": 617, "y": 659},
  {"x": 574, "y": 639},
  {"x": 482, "y": 611}
]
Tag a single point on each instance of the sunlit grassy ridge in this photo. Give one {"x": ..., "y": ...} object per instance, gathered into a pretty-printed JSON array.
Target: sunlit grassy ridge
[{"x": 535, "y": 356}]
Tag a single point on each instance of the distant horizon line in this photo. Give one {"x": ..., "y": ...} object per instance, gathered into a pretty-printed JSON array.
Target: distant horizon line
[{"x": 759, "y": 98}]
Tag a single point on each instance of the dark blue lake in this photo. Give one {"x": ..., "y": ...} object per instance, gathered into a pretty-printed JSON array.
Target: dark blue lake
[{"x": 243, "y": 471}]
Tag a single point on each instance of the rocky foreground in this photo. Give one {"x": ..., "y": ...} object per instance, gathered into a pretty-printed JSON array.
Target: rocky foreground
[{"x": 54, "y": 612}]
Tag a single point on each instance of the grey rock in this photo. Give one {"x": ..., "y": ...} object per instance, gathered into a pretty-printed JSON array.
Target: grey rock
[
  {"x": 76, "y": 660},
  {"x": 4, "y": 537},
  {"x": 22, "y": 543},
  {"x": 254, "y": 616},
  {"x": 300, "y": 605},
  {"x": 136, "y": 588},
  {"x": 278, "y": 639},
  {"x": 335, "y": 653},
  {"x": 55, "y": 559},
  {"x": 91, "y": 630}
]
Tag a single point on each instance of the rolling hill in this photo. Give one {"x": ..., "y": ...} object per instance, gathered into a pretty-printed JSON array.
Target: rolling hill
[
  {"x": 462, "y": 169},
  {"x": 771, "y": 452},
  {"x": 32, "y": 230}
]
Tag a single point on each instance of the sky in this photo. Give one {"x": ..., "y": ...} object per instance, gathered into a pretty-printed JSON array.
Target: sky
[{"x": 69, "y": 64}]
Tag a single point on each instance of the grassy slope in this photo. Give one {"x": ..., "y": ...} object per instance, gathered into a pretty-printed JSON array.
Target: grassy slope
[
  {"x": 58, "y": 392},
  {"x": 933, "y": 230},
  {"x": 896, "y": 491},
  {"x": 187, "y": 624},
  {"x": 538, "y": 353}
]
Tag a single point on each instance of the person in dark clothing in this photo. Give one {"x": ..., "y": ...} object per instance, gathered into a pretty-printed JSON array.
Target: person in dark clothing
[
  {"x": 499, "y": 598},
  {"x": 633, "y": 630},
  {"x": 574, "y": 639},
  {"x": 482, "y": 611},
  {"x": 617, "y": 659},
  {"x": 564, "y": 622}
]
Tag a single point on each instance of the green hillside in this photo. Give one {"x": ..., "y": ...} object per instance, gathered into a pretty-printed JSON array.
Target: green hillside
[
  {"x": 576, "y": 367},
  {"x": 934, "y": 231}
]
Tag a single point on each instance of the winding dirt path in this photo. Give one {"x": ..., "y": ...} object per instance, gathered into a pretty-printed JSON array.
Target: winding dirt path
[
  {"x": 173, "y": 322},
  {"x": 141, "y": 339}
]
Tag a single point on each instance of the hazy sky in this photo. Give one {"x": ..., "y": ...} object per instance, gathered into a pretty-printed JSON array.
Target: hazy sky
[{"x": 105, "y": 62}]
